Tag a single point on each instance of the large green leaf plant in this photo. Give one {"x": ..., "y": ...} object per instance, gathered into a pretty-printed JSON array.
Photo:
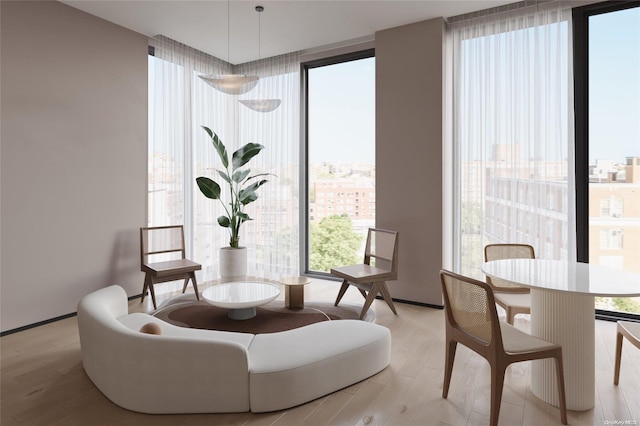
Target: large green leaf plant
[{"x": 242, "y": 187}]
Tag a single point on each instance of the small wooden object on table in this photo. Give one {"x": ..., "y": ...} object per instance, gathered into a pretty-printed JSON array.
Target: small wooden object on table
[{"x": 294, "y": 291}]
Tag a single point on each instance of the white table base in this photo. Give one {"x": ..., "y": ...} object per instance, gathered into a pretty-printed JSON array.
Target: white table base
[
  {"x": 241, "y": 298},
  {"x": 242, "y": 314},
  {"x": 566, "y": 319}
]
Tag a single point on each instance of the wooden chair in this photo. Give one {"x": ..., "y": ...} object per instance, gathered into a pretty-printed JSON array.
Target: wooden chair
[
  {"x": 380, "y": 265},
  {"x": 166, "y": 241},
  {"x": 630, "y": 330},
  {"x": 512, "y": 298},
  {"x": 472, "y": 320}
]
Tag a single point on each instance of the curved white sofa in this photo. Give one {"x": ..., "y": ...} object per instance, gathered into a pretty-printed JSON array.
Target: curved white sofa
[{"x": 186, "y": 370}]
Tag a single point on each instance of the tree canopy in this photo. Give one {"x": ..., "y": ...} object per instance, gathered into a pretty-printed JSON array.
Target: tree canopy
[{"x": 334, "y": 243}]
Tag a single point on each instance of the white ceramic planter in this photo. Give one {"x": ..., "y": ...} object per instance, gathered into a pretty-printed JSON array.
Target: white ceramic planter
[{"x": 233, "y": 264}]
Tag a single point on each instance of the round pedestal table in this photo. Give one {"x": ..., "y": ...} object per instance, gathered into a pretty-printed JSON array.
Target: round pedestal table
[
  {"x": 294, "y": 291},
  {"x": 562, "y": 312},
  {"x": 241, "y": 298}
]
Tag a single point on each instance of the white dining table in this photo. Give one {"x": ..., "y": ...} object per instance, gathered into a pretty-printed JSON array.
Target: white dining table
[{"x": 563, "y": 312}]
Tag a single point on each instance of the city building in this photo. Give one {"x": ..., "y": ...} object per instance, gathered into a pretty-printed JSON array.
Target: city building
[{"x": 614, "y": 215}]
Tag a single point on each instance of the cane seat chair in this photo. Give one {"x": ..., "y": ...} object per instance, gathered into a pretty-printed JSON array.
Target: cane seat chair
[
  {"x": 162, "y": 259},
  {"x": 370, "y": 277},
  {"x": 630, "y": 330},
  {"x": 472, "y": 320},
  {"x": 512, "y": 298}
]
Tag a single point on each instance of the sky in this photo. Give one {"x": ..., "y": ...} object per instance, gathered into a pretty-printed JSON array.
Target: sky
[
  {"x": 614, "y": 85},
  {"x": 342, "y": 112},
  {"x": 342, "y": 98}
]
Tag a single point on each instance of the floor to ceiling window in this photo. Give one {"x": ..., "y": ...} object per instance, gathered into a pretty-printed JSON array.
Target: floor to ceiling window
[
  {"x": 166, "y": 149},
  {"x": 512, "y": 134},
  {"x": 340, "y": 127},
  {"x": 607, "y": 45}
]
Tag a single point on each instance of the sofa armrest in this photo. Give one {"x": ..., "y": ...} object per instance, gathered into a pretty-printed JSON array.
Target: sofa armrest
[
  {"x": 159, "y": 373},
  {"x": 167, "y": 374}
]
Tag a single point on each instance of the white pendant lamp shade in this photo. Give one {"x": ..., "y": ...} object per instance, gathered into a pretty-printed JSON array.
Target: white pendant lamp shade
[
  {"x": 231, "y": 84},
  {"x": 261, "y": 105}
]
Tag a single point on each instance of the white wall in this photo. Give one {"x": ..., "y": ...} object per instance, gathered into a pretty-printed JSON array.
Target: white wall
[
  {"x": 409, "y": 122},
  {"x": 73, "y": 158}
]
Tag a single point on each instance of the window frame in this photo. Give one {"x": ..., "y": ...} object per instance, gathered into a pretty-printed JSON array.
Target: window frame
[
  {"x": 304, "y": 210},
  {"x": 580, "y": 19}
]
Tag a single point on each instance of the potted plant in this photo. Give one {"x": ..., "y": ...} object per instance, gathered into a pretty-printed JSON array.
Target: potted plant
[{"x": 241, "y": 187}]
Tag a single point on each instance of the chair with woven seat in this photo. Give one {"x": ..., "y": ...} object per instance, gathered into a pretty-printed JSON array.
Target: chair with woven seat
[
  {"x": 167, "y": 243},
  {"x": 472, "y": 320},
  {"x": 380, "y": 265},
  {"x": 512, "y": 298},
  {"x": 630, "y": 330}
]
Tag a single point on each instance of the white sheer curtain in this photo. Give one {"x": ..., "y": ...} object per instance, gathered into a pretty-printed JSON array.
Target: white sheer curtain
[
  {"x": 180, "y": 103},
  {"x": 272, "y": 238},
  {"x": 512, "y": 136}
]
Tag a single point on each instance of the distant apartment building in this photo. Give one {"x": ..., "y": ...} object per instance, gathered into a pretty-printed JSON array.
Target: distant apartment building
[
  {"x": 343, "y": 188},
  {"x": 354, "y": 197},
  {"x": 475, "y": 174},
  {"x": 519, "y": 208},
  {"x": 166, "y": 191},
  {"x": 535, "y": 212},
  {"x": 614, "y": 215}
]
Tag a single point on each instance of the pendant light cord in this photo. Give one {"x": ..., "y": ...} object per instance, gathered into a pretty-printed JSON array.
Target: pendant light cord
[{"x": 259, "y": 9}]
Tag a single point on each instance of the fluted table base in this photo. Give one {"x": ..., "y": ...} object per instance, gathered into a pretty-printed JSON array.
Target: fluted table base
[{"x": 568, "y": 320}]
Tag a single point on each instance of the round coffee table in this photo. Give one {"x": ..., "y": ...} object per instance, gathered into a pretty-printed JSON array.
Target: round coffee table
[{"x": 241, "y": 298}]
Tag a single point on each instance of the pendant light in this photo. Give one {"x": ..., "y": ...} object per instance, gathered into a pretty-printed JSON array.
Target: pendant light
[
  {"x": 231, "y": 84},
  {"x": 261, "y": 105}
]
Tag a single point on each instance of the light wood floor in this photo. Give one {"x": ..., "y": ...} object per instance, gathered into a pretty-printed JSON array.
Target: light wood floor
[{"x": 43, "y": 382}]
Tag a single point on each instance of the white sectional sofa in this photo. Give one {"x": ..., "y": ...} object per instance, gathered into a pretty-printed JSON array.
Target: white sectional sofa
[{"x": 187, "y": 370}]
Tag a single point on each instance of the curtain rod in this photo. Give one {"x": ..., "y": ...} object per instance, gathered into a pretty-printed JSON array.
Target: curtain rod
[{"x": 498, "y": 10}]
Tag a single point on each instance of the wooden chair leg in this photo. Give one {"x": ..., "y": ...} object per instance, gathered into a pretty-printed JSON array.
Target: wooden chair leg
[
  {"x": 384, "y": 290},
  {"x": 145, "y": 287},
  {"x": 616, "y": 370},
  {"x": 561, "y": 393},
  {"x": 184, "y": 287},
  {"x": 370, "y": 298},
  {"x": 363, "y": 293},
  {"x": 343, "y": 290},
  {"x": 153, "y": 293},
  {"x": 497, "y": 383},
  {"x": 195, "y": 285},
  {"x": 448, "y": 366}
]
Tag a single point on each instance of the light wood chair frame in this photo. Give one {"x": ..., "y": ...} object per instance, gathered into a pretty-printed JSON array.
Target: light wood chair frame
[
  {"x": 172, "y": 270},
  {"x": 511, "y": 311},
  {"x": 623, "y": 330},
  {"x": 372, "y": 284},
  {"x": 493, "y": 351}
]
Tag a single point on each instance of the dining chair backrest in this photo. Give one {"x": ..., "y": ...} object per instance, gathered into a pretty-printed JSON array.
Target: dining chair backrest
[
  {"x": 507, "y": 251},
  {"x": 472, "y": 320},
  {"x": 471, "y": 310},
  {"x": 161, "y": 243},
  {"x": 381, "y": 249}
]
